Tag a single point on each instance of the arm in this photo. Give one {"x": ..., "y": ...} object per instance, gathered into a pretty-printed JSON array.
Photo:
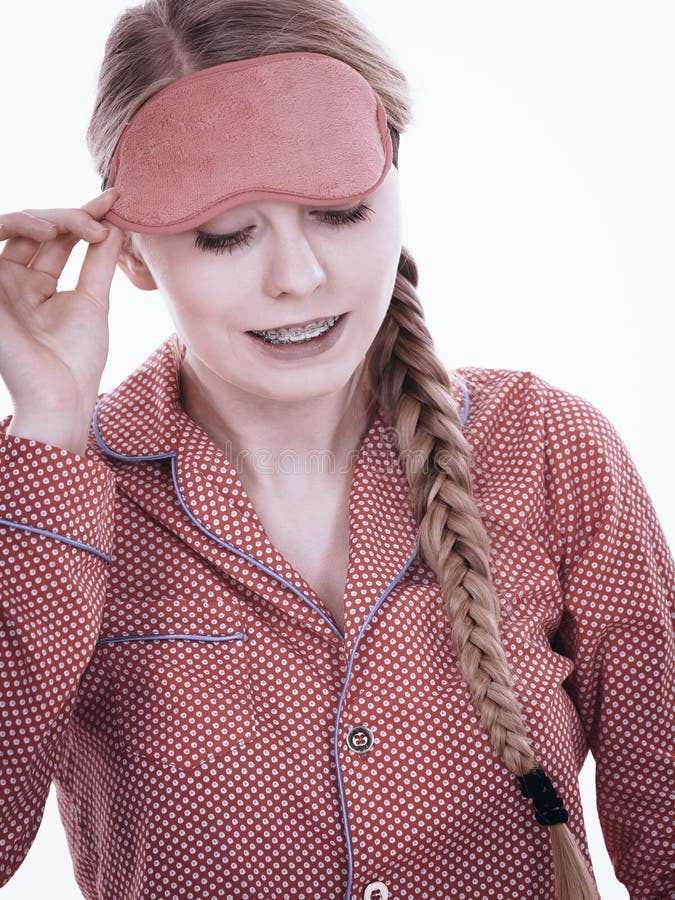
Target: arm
[
  {"x": 618, "y": 580},
  {"x": 56, "y": 521}
]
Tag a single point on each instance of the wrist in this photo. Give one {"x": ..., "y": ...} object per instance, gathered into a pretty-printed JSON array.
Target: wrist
[{"x": 64, "y": 430}]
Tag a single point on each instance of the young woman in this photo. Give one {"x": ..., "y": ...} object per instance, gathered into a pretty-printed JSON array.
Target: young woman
[{"x": 249, "y": 676}]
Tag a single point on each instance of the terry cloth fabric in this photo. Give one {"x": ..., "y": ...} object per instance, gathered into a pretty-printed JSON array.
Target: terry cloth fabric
[
  {"x": 302, "y": 127},
  {"x": 212, "y": 734}
]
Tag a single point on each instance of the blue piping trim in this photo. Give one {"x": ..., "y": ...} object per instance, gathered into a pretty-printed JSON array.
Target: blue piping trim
[
  {"x": 111, "y": 452},
  {"x": 58, "y": 537},
  {"x": 250, "y": 559},
  {"x": 204, "y": 530},
  {"x": 205, "y": 638},
  {"x": 299, "y": 594},
  {"x": 467, "y": 398},
  {"x": 336, "y": 742}
]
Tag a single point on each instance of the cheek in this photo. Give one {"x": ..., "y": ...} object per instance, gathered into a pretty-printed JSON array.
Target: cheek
[
  {"x": 200, "y": 289},
  {"x": 373, "y": 276}
]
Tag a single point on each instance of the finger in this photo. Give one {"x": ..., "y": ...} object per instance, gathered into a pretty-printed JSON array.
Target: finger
[
  {"x": 17, "y": 223},
  {"x": 35, "y": 234},
  {"x": 79, "y": 221},
  {"x": 98, "y": 268},
  {"x": 24, "y": 233},
  {"x": 48, "y": 255},
  {"x": 24, "y": 223},
  {"x": 52, "y": 257},
  {"x": 99, "y": 205}
]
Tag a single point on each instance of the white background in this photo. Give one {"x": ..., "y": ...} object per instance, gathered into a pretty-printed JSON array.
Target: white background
[{"x": 538, "y": 195}]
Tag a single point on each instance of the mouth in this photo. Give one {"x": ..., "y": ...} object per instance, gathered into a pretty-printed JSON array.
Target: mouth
[{"x": 298, "y": 331}]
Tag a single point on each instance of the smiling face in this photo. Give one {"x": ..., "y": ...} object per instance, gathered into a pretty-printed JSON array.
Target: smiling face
[{"x": 287, "y": 263}]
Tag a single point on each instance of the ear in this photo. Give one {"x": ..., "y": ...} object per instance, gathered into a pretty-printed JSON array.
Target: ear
[{"x": 134, "y": 266}]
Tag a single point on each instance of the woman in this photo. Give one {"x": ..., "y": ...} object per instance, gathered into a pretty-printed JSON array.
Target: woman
[{"x": 376, "y": 681}]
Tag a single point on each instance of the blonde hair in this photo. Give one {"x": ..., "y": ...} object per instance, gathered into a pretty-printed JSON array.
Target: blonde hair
[{"x": 159, "y": 41}]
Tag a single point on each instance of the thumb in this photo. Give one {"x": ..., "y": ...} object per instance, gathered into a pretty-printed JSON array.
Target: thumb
[{"x": 100, "y": 262}]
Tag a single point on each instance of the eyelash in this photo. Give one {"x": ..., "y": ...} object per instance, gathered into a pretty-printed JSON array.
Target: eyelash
[{"x": 229, "y": 242}]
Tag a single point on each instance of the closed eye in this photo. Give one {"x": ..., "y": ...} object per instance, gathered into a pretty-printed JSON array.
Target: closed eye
[{"x": 335, "y": 218}]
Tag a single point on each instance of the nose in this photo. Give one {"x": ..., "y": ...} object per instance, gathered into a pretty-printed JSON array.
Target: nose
[{"x": 293, "y": 267}]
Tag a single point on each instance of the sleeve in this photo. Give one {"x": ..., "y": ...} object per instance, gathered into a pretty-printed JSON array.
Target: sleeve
[
  {"x": 618, "y": 581},
  {"x": 56, "y": 523}
]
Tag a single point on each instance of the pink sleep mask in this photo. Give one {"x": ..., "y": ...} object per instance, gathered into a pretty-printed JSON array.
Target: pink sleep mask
[{"x": 302, "y": 127}]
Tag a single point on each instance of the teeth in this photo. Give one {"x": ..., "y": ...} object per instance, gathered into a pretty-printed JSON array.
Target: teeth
[{"x": 293, "y": 335}]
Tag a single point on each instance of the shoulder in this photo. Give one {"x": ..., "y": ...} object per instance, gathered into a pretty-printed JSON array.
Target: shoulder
[
  {"x": 515, "y": 396},
  {"x": 492, "y": 388},
  {"x": 520, "y": 422},
  {"x": 579, "y": 434}
]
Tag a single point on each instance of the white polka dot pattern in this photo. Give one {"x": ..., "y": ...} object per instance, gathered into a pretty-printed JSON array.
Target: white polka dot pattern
[{"x": 192, "y": 697}]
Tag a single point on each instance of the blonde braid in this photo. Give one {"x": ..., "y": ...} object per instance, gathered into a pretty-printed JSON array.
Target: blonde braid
[{"x": 414, "y": 391}]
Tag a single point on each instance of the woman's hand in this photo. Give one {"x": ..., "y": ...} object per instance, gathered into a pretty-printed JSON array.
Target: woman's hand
[{"x": 54, "y": 344}]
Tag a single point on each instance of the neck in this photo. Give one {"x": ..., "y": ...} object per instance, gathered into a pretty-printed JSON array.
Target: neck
[{"x": 273, "y": 443}]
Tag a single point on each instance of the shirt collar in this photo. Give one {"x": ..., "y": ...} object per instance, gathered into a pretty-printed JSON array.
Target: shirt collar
[{"x": 143, "y": 417}]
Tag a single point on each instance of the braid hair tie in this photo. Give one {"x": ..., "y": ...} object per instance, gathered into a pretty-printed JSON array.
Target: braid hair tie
[{"x": 536, "y": 785}]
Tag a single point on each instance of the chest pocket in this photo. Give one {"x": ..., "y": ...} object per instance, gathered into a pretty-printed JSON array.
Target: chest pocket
[{"x": 181, "y": 699}]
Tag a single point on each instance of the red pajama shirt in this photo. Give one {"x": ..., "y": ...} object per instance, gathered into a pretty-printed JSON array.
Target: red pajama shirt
[{"x": 212, "y": 734}]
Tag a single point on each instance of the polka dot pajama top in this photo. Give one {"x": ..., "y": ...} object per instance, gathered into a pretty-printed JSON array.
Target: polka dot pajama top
[{"x": 211, "y": 732}]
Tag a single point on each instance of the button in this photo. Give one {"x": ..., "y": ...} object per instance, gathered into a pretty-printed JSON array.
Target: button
[
  {"x": 376, "y": 890},
  {"x": 360, "y": 739}
]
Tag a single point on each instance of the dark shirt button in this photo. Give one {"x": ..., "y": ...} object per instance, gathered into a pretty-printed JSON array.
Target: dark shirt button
[
  {"x": 360, "y": 739},
  {"x": 376, "y": 890}
]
